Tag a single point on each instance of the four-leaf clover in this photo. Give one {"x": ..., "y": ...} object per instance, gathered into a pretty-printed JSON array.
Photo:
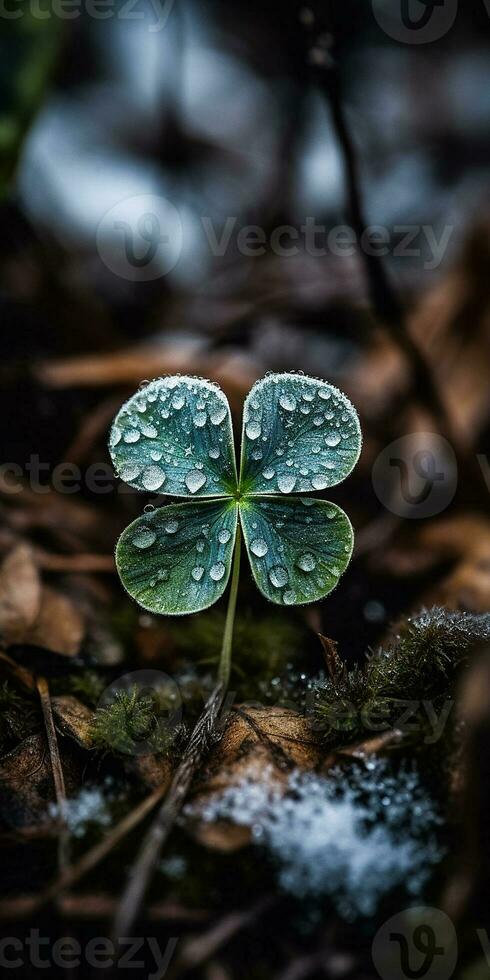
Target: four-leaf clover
[{"x": 175, "y": 437}]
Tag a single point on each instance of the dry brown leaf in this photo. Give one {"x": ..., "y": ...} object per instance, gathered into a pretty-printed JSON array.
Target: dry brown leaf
[
  {"x": 26, "y": 779},
  {"x": 73, "y": 719},
  {"x": 59, "y": 627},
  {"x": 20, "y": 594},
  {"x": 259, "y": 744},
  {"x": 150, "y": 770},
  {"x": 263, "y": 746}
]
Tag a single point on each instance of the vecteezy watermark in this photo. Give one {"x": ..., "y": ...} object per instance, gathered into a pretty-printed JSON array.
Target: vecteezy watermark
[
  {"x": 140, "y": 238},
  {"x": 409, "y": 717},
  {"x": 416, "y": 476},
  {"x": 99, "y": 953},
  {"x": 415, "y": 21},
  {"x": 416, "y": 944},
  {"x": 155, "y": 12}
]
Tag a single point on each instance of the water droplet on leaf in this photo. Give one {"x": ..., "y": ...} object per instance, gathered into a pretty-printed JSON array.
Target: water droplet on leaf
[
  {"x": 217, "y": 571},
  {"x": 306, "y": 562},
  {"x": 259, "y": 547},
  {"x": 144, "y": 538},
  {"x": 195, "y": 480},
  {"x": 153, "y": 478},
  {"x": 286, "y": 482},
  {"x": 279, "y": 576}
]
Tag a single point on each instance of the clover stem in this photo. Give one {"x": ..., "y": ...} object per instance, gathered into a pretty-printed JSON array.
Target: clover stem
[{"x": 225, "y": 656}]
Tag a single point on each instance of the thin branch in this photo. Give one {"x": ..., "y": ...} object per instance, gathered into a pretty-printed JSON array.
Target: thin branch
[
  {"x": 57, "y": 769},
  {"x": 204, "y": 735},
  {"x": 197, "y": 950},
  {"x": 384, "y": 298},
  {"x": 96, "y": 854}
]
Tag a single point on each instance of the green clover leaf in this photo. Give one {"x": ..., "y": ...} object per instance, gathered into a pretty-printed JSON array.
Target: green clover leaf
[{"x": 175, "y": 437}]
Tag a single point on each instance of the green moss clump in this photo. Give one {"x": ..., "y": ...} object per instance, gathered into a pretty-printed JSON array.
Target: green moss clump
[
  {"x": 130, "y": 720},
  {"x": 419, "y": 665},
  {"x": 88, "y": 686}
]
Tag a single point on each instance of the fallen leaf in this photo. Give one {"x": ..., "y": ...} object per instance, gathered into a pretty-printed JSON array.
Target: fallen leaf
[
  {"x": 259, "y": 744},
  {"x": 59, "y": 627},
  {"x": 20, "y": 594},
  {"x": 73, "y": 719},
  {"x": 26, "y": 778}
]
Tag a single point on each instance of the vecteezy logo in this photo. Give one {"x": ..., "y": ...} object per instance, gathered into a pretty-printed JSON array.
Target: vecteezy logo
[
  {"x": 140, "y": 238},
  {"x": 149, "y": 231},
  {"x": 415, "y": 21},
  {"x": 417, "y": 944},
  {"x": 416, "y": 476},
  {"x": 140, "y": 713}
]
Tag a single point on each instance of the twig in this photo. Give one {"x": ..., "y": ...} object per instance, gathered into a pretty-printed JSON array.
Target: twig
[
  {"x": 58, "y": 778},
  {"x": 57, "y": 769},
  {"x": 70, "y": 876},
  {"x": 98, "y": 906},
  {"x": 198, "y": 949},
  {"x": 204, "y": 734},
  {"x": 384, "y": 298}
]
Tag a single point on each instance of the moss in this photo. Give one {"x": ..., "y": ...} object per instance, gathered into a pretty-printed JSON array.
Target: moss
[
  {"x": 419, "y": 665},
  {"x": 130, "y": 719},
  {"x": 88, "y": 686}
]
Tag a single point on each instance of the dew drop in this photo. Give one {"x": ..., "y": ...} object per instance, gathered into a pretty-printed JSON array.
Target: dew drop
[
  {"x": 224, "y": 536},
  {"x": 217, "y": 414},
  {"x": 279, "y": 576},
  {"x": 149, "y": 431},
  {"x": 286, "y": 482},
  {"x": 324, "y": 393},
  {"x": 200, "y": 545},
  {"x": 197, "y": 573},
  {"x": 287, "y": 402},
  {"x": 116, "y": 436},
  {"x": 195, "y": 480},
  {"x": 129, "y": 472},
  {"x": 332, "y": 439},
  {"x": 163, "y": 575},
  {"x": 253, "y": 430},
  {"x": 131, "y": 435},
  {"x": 156, "y": 455},
  {"x": 153, "y": 478},
  {"x": 289, "y": 597},
  {"x": 308, "y": 396},
  {"x": 319, "y": 481},
  {"x": 217, "y": 571},
  {"x": 171, "y": 526},
  {"x": 318, "y": 420},
  {"x": 268, "y": 473},
  {"x": 214, "y": 452},
  {"x": 200, "y": 420},
  {"x": 178, "y": 402},
  {"x": 259, "y": 547},
  {"x": 144, "y": 538},
  {"x": 257, "y": 454},
  {"x": 306, "y": 562}
]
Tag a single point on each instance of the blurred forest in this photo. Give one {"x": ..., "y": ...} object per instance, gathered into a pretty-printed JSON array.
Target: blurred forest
[{"x": 177, "y": 125}]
